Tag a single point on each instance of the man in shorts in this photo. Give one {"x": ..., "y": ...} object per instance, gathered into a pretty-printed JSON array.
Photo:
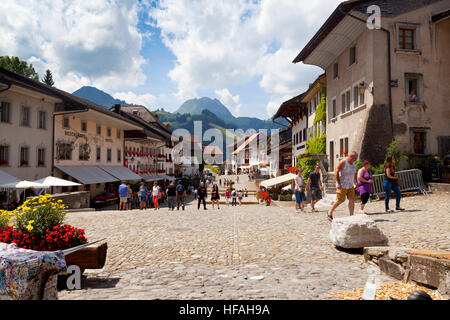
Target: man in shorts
[
  {"x": 345, "y": 181},
  {"x": 314, "y": 185},
  {"x": 123, "y": 195}
]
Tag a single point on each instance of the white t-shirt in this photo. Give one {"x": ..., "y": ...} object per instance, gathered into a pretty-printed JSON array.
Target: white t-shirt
[
  {"x": 155, "y": 191},
  {"x": 299, "y": 181}
]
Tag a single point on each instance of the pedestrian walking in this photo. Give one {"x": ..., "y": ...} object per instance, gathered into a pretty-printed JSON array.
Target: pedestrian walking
[
  {"x": 171, "y": 196},
  {"x": 202, "y": 194},
  {"x": 239, "y": 195},
  {"x": 123, "y": 196},
  {"x": 215, "y": 196},
  {"x": 156, "y": 195},
  {"x": 315, "y": 187},
  {"x": 195, "y": 194},
  {"x": 299, "y": 191},
  {"x": 149, "y": 199},
  {"x": 220, "y": 182},
  {"x": 391, "y": 183},
  {"x": 345, "y": 181},
  {"x": 227, "y": 197},
  {"x": 365, "y": 181},
  {"x": 237, "y": 179},
  {"x": 129, "y": 196},
  {"x": 181, "y": 195},
  {"x": 233, "y": 197},
  {"x": 142, "y": 196}
]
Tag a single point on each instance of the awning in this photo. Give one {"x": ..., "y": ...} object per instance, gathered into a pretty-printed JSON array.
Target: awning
[
  {"x": 157, "y": 178},
  {"x": 278, "y": 180},
  {"x": 88, "y": 174},
  {"x": 6, "y": 178},
  {"x": 121, "y": 173}
]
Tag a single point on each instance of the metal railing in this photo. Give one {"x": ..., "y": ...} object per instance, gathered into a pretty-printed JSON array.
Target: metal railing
[{"x": 412, "y": 180}]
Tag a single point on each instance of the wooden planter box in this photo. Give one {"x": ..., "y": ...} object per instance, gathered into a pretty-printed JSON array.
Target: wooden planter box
[{"x": 92, "y": 257}]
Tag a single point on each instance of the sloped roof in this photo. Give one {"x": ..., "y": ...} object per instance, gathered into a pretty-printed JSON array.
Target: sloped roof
[
  {"x": 71, "y": 102},
  {"x": 293, "y": 108}
]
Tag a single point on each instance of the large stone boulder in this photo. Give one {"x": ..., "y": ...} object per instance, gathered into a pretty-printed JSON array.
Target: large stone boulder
[{"x": 357, "y": 231}]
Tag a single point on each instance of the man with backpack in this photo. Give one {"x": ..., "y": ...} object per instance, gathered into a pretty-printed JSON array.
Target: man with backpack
[{"x": 181, "y": 194}]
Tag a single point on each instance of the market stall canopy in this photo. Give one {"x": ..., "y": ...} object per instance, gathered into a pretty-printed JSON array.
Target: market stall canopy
[
  {"x": 121, "y": 173},
  {"x": 88, "y": 174},
  {"x": 22, "y": 185},
  {"x": 278, "y": 180},
  {"x": 56, "y": 182},
  {"x": 288, "y": 187},
  {"x": 6, "y": 178}
]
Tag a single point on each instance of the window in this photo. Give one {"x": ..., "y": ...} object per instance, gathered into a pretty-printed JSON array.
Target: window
[
  {"x": 108, "y": 154},
  {"x": 108, "y": 132},
  {"x": 304, "y": 134},
  {"x": 355, "y": 96},
  {"x": 64, "y": 151},
  {"x": 343, "y": 103},
  {"x": 343, "y": 147},
  {"x": 85, "y": 151},
  {"x": 334, "y": 111},
  {"x": 42, "y": 120},
  {"x": 99, "y": 130},
  {"x": 24, "y": 153},
  {"x": 66, "y": 123},
  {"x": 361, "y": 98},
  {"x": 406, "y": 38},
  {"x": 345, "y": 100},
  {"x": 419, "y": 140},
  {"x": 413, "y": 87},
  {"x": 83, "y": 126},
  {"x": 335, "y": 71},
  {"x": 5, "y": 112},
  {"x": 98, "y": 153},
  {"x": 118, "y": 134},
  {"x": 25, "y": 117},
  {"x": 41, "y": 157},
  {"x": 119, "y": 155},
  {"x": 352, "y": 57},
  {"x": 4, "y": 155}
]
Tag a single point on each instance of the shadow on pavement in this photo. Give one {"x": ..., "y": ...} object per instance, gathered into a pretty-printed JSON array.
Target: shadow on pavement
[
  {"x": 358, "y": 251},
  {"x": 89, "y": 282}
]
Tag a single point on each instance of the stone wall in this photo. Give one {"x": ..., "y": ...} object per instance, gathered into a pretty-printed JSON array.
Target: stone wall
[
  {"x": 377, "y": 134},
  {"x": 75, "y": 200}
]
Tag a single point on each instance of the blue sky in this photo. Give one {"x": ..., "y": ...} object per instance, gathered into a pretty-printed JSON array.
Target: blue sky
[{"x": 161, "y": 53}]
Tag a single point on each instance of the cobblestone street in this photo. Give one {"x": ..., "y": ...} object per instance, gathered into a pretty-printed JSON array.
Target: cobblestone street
[{"x": 247, "y": 252}]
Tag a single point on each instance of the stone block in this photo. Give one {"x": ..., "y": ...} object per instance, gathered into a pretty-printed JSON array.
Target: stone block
[
  {"x": 431, "y": 271},
  {"x": 357, "y": 231},
  {"x": 375, "y": 252},
  {"x": 391, "y": 268}
]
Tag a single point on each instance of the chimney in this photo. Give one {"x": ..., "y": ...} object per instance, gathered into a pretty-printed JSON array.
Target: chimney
[{"x": 117, "y": 108}]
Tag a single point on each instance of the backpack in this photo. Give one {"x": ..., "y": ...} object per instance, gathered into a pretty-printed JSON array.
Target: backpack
[{"x": 180, "y": 188}]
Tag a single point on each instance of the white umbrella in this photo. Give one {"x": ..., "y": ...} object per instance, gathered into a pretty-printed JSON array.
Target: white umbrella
[
  {"x": 23, "y": 185},
  {"x": 288, "y": 187},
  {"x": 56, "y": 182}
]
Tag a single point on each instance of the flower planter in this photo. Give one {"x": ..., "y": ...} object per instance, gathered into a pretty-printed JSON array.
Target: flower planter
[{"x": 92, "y": 257}]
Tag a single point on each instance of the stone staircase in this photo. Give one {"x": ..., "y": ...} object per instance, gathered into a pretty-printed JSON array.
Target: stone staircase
[{"x": 330, "y": 190}]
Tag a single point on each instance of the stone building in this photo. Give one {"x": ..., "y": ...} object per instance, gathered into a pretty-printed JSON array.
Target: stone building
[{"x": 385, "y": 83}]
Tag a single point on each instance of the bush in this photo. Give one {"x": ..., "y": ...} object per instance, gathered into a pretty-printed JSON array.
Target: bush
[
  {"x": 4, "y": 219},
  {"x": 307, "y": 164},
  {"x": 317, "y": 145},
  {"x": 39, "y": 214}
]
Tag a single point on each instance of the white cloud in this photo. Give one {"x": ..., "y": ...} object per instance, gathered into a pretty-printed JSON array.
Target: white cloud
[
  {"x": 82, "y": 42},
  {"x": 229, "y": 100},
  {"x": 222, "y": 43},
  {"x": 147, "y": 100}
]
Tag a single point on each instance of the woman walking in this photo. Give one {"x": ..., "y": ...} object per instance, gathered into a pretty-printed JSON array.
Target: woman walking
[
  {"x": 227, "y": 197},
  {"x": 391, "y": 183},
  {"x": 239, "y": 195},
  {"x": 299, "y": 191},
  {"x": 215, "y": 197},
  {"x": 365, "y": 181},
  {"x": 156, "y": 195}
]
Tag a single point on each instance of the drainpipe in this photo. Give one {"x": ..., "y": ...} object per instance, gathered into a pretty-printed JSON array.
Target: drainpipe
[{"x": 388, "y": 34}]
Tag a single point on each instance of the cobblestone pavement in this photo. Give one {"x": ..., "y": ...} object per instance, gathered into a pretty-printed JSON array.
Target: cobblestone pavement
[{"x": 248, "y": 252}]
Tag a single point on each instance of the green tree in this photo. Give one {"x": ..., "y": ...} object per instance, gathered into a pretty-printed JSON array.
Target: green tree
[
  {"x": 48, "y": 78},
  {"x": 14, "y": 64}
]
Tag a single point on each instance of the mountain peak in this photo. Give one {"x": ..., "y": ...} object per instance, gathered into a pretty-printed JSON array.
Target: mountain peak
[
  {"x": 98, "y": 96},
  {"x": 197, "y": 105}
]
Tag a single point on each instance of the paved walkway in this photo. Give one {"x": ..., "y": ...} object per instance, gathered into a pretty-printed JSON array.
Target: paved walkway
[{"x": 248, "y": 252}]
